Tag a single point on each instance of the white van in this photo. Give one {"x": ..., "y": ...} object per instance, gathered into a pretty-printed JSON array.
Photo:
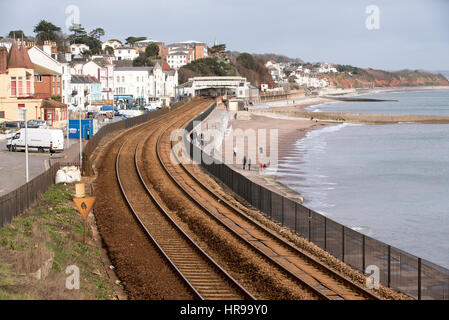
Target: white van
[{"x": 40, "y": 139}]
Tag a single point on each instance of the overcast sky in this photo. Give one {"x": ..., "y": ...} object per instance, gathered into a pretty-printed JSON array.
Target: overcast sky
[{"x": 412, "y": 34}]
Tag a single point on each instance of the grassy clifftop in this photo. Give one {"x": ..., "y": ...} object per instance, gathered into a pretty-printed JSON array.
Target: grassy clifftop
[{"x": 352, "y": 77}]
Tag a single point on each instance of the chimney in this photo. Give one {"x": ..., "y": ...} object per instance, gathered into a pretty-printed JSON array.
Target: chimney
[
  {"x": 47, "y": 47},
  {"x": 3, "y": 59}
]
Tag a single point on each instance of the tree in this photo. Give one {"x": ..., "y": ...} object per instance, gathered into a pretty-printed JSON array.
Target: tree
[
  {"x": 97, "y": 33},
  {"x": 79, "y": 34},
  {"x": 92, "y": 39},
  {"x": 109, "y": 50},
  {"x": 143, "y": 61},
  {"x": 46, "y": 31},
  {"x": 152, "y": 50},
  {"x": 247, "y": 60},
  {"x": 18, "y": 34},
  {"x": 131, "y": 40}
]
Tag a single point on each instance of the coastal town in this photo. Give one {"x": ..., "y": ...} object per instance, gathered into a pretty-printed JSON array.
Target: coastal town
[{"x": 146, "y": 169}]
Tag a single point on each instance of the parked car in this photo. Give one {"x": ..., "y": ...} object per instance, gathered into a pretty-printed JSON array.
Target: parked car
[
  {"x": 14, "y": 125},
  {"x": 36, "y": 123},
  {"x": 40, "y": 139}
]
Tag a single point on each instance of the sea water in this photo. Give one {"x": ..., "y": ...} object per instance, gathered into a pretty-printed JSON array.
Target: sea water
[{"x": 390, "y": 182}]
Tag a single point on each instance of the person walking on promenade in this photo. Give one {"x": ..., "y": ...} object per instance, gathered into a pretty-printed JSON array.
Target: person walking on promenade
[
  {"x": 249, "y": 164},
  {"x": 201, "y": 140},
  {"x": 244, "y": 162}
]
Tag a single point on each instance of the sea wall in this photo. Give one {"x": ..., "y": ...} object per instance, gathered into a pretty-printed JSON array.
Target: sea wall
[{"x": 351, "y": 117}]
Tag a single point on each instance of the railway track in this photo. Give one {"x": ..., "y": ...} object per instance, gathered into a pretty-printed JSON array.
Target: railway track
[
  {"x": 322, "y": 281},
  {"x": 203, "y": 276},
  {"x": 199, "y": 271}
]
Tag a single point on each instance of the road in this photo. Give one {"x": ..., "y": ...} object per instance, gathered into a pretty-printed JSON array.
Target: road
[{"x": 12, "y": 164}]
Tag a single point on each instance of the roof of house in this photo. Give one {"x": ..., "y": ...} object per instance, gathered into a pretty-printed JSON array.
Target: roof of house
[
  {"x": 148, "y": 69},
  {"x": 165, "y": 66},
  {"x": 123, "y": 63},
  {"x": 178, "y": 52},
  {"x": 84, "y": 79},
  {"x": 102, "y": 62},
  {"x": 52, "y": 103},
  {"x": 26, "y": 58},
  {"x": 40, "y": 70},
  {"x": 15, "y": 57}
]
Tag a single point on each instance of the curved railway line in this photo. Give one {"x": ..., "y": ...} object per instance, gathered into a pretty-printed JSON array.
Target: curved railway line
[{"x": 141, "y": 179}]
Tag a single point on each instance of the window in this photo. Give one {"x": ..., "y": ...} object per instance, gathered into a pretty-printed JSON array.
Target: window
[
  {"x": 39, "y": 78},
  {"x": 123, "y": 78},
  {"x": 2, "y": 114},
  {"x": 20, "y": 86},
  {"x": 21, "y": 112},
  {"x": 28, "y": 85},
  {"x": 13, "y": 87},
  {"x": 118, "y": 79}
]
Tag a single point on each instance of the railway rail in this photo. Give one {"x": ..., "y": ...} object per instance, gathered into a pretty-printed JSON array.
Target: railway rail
[
  {"x": 320, "y": 279},
  {"x": 198, "y": 270}
]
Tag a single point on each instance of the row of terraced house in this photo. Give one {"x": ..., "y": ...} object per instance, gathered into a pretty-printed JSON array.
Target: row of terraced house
[{"x": 49, "y": 83}]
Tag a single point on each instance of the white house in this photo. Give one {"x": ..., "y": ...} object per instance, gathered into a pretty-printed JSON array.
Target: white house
[
  {"x": 177, "y": 59},
  {"x": 125, "y": 53},
  {"x": 326, "y": 68},
  {"x": 114, "y": 44},
  {"x": 57, "y": 62},
  {"x": 102, "y": 70},
  {"x": 133, "y": 81},
  {"x": 78, "y": 48},
  {"x": 85, "y": 91},
  {"x": 163, "y": 84},
  {"x": 146, "y": 84}
]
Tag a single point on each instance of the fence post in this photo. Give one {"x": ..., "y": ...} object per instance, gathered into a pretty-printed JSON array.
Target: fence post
[
  {"x": 419, "y": 278},
  {"x": 310, "y": 225},
  {"x": 343, "y": 243},
  {"x": 325, "y": 234},
  {"x": 271, "y": 202},
  {"x": 260, "y": 198},
  {"x": 363, "y": 253},
  {"x": 296, "y": 217},
  {"x": 389, "y": 267},
  {"x": 282, "y": 217}
]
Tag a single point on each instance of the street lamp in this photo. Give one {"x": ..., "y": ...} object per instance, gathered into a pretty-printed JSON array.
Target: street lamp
[{"x": 24, "y": 110}]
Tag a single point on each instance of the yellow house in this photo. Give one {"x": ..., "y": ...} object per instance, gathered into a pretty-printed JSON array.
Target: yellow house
[{"x": 17, "y": 91}]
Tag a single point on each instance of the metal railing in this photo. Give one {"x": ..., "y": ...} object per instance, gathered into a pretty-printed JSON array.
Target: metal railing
[{"x": 409, "y": 274}]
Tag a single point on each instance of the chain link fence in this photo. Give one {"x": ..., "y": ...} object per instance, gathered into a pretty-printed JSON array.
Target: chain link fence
[{"x": 411, "y": 275}]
